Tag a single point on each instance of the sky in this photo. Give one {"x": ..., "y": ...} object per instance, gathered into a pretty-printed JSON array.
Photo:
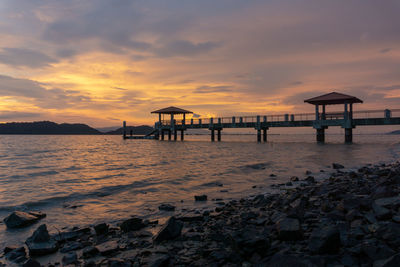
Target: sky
[{"x": 100, "y": 62}]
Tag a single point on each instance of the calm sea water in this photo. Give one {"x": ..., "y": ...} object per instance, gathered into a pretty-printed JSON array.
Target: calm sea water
[{"x": 82, "y": 180}]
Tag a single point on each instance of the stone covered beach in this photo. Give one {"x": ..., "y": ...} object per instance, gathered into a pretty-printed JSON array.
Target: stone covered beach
[{"x": 350, "y": 219}]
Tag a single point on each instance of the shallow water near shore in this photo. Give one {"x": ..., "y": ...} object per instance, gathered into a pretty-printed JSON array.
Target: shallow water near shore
[{"x": 82, "y": 180}]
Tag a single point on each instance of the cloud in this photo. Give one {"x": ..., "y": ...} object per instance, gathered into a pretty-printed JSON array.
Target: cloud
[
  {"x": 11, "y": 115},
  {"x": 22, "y": 57},
  {"x": 184, "y": 48},
  {"x": 205, "y": 89}
]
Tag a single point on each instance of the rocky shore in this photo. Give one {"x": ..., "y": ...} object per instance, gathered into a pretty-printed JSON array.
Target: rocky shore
[{"x": 350, "y": 219}]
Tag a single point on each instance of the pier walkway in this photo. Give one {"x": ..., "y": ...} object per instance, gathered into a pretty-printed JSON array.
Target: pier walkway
[{"x": 320, "y": 120}]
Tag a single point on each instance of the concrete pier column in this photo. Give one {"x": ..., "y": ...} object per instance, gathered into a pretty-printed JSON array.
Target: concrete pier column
[
  {"x": 219, "y": 135},
  {"x": 265, "y": 135},
  {"x": 175, "y": 135},
  {"x": 348, "y": 135},
  {"x": 258, "y": 135},
  {"x": 321, "y": 135},
  {"x": 169, "y": 135},
  {"x": 182, "y": 135},
  {"x": 212, "y": 135}
]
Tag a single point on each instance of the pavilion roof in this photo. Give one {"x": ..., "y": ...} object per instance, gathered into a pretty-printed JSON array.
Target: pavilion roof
[
  {"x": 172, "y": 110},
  {"x": 332, "y": 99}
]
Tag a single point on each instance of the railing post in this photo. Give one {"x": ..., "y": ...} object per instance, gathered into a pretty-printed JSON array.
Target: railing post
[
  {"x": 388, "y": 113},
  {"x": 219, "y": 121},
  {"x": 200, "y": 122},
  {"x": 191, "y": 121},
  {"x": 241, "y": 120},
  {"x": 292, "y": 117},
  {"x": 233, "y": 121},
  {"x": 211, "y": 122},
  {"x": 258, "y": 122},
  {"x": 286, "y": 117}
]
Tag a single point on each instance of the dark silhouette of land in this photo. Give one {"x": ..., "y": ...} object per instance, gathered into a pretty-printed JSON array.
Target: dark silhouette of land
[{"x": 52, "y": 128}]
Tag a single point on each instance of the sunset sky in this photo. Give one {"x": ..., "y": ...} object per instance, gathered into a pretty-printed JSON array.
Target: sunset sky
[{"x": 103, "y": 61}]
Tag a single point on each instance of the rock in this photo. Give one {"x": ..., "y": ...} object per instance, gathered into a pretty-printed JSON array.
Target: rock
[
  {"x": 289, "y": 229},
  {"x": 71, "y": 246},
  {"x": 388, "y": 202},
  {"x": 89, "y": 252},
  {"x": 31, "y": 263},
  {"x": 16, "y": 254},
  {"x": 310, "y": 179},
  {"x": 19, "y": 219},
  {"x": 279, "y": 260},
  {"x": 337, "y": 166},
  {"x": 70, "y": 258},
  {"x": 250, "y": 241},
  {"x": 101, "y": 228},
  {"x": 166, "y": 207},
  {"x": 9, "y": 249},
  {"x": 132, "y": 224},
  {"x": 294, "y": 178},
  {"x": 71, "y": 235},
  {"x": 381, "y": 213},
  {"x": 390, "y": 262},
  {"x": 383, "y": 191},
  {"x": 325, "y": 240},
  {"x": 200, "y": 198},
  {"x": 171, "y": 230},
  {"x": 40, "y": 243},
  {"x": 114, "y": 262},
  {"x": 158, "y": 260},
  {"x": 108, "y": 247}
]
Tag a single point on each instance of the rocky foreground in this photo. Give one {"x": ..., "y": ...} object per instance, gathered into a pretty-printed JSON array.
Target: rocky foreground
[{"x": 350, "y": 219}]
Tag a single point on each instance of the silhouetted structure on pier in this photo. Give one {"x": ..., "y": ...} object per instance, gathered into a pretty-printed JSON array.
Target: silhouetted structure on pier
[{"x": 320, "y": 120}]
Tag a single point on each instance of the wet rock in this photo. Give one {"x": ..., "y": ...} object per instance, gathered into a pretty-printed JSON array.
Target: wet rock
[
  {"x": 166, "y": 207},
  {"x": 89, "y": 252},
  {"x": 19, "y": 219},
  {"x": 114, "y": 262},
  {"x": 40, "y": 243},
  {"x": 71, "y": 246},
  {"x": 171, "y": 230},
  {"x": 70, "y": 258},
  {"x": 16, "y": 254},
  {"x": 133, "y": 224},
  {"x": 71, "y": 235},
  {"x": 158, "y": 260},
  {"x": 289, "y": 229},
  {"x": 31, "y": 263},
  {"x": 390, "y": 262},
  {"x": 101, "y": 229},
  {"x": 200, "y": 198},
  {"x": 294, "y": 178},
  {"x": 108, "y": 247},
  {"x": 337, "y": 166},
  {"x": 250, "y": 241},
  {"x": 310, "y": 179},
  {"x": 9, "y": 249},
  {"x": 325, "y": 240},
  {"x": 381, "y": 213}
]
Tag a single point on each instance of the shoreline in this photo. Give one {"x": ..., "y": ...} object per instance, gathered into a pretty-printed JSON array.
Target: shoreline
[{"x": 351, "y": 218}]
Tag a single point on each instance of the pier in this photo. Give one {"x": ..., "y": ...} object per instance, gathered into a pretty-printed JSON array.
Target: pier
[{"x": 348, "y": 119}]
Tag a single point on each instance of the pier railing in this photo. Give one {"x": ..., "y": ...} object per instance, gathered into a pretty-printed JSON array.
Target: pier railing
[{"x": 339, "y": 115}]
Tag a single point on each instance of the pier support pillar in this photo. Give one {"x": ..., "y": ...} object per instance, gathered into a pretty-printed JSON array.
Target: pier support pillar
[
  {"x": 124, "y": 129},
  {"x": 175, "y": 135},
  {"x": 219, "y": 135},
  {"x": 182, "y": 135},
  {"x": 212, "y": 135},
  {"x": 258, "y": 135},
  {"x": 348, "y": 135},
  {"x": 321, "y": 135},
  {"x": 265, "y": 135},
  {"x": 162, "y": 135},
  {"x": 169, "y": 135}
]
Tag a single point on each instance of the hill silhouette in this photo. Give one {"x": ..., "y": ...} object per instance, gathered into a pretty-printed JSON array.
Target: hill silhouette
[
  {"x": 46, "y": 127},
  {"x": 136, "y": 130}
]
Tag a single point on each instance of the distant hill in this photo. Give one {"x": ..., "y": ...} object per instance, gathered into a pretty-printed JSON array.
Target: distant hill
[
  {"x": 45, "y": 127},
  {"x": 107, "y": 129},
  {"x": 395, "y": 132},
  {"x": 136, "y": 130}
]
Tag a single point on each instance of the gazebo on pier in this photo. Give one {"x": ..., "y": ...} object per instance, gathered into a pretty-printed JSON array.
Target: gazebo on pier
[
  {"x": 322, "y": 119},
  {"x": 170, "y": 125}
]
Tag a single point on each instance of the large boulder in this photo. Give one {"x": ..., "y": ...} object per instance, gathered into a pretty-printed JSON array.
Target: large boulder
[
  {"x": 19, "y": 219},
  {"x": 171, "y": 230},
  {"x": 40, "y": 243},
  {"x": 325, "y": 240},
  {"x": 289, "y": 229}
]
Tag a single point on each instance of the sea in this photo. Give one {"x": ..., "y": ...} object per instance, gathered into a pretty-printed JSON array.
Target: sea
[{"x": 85, "y": 180}]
